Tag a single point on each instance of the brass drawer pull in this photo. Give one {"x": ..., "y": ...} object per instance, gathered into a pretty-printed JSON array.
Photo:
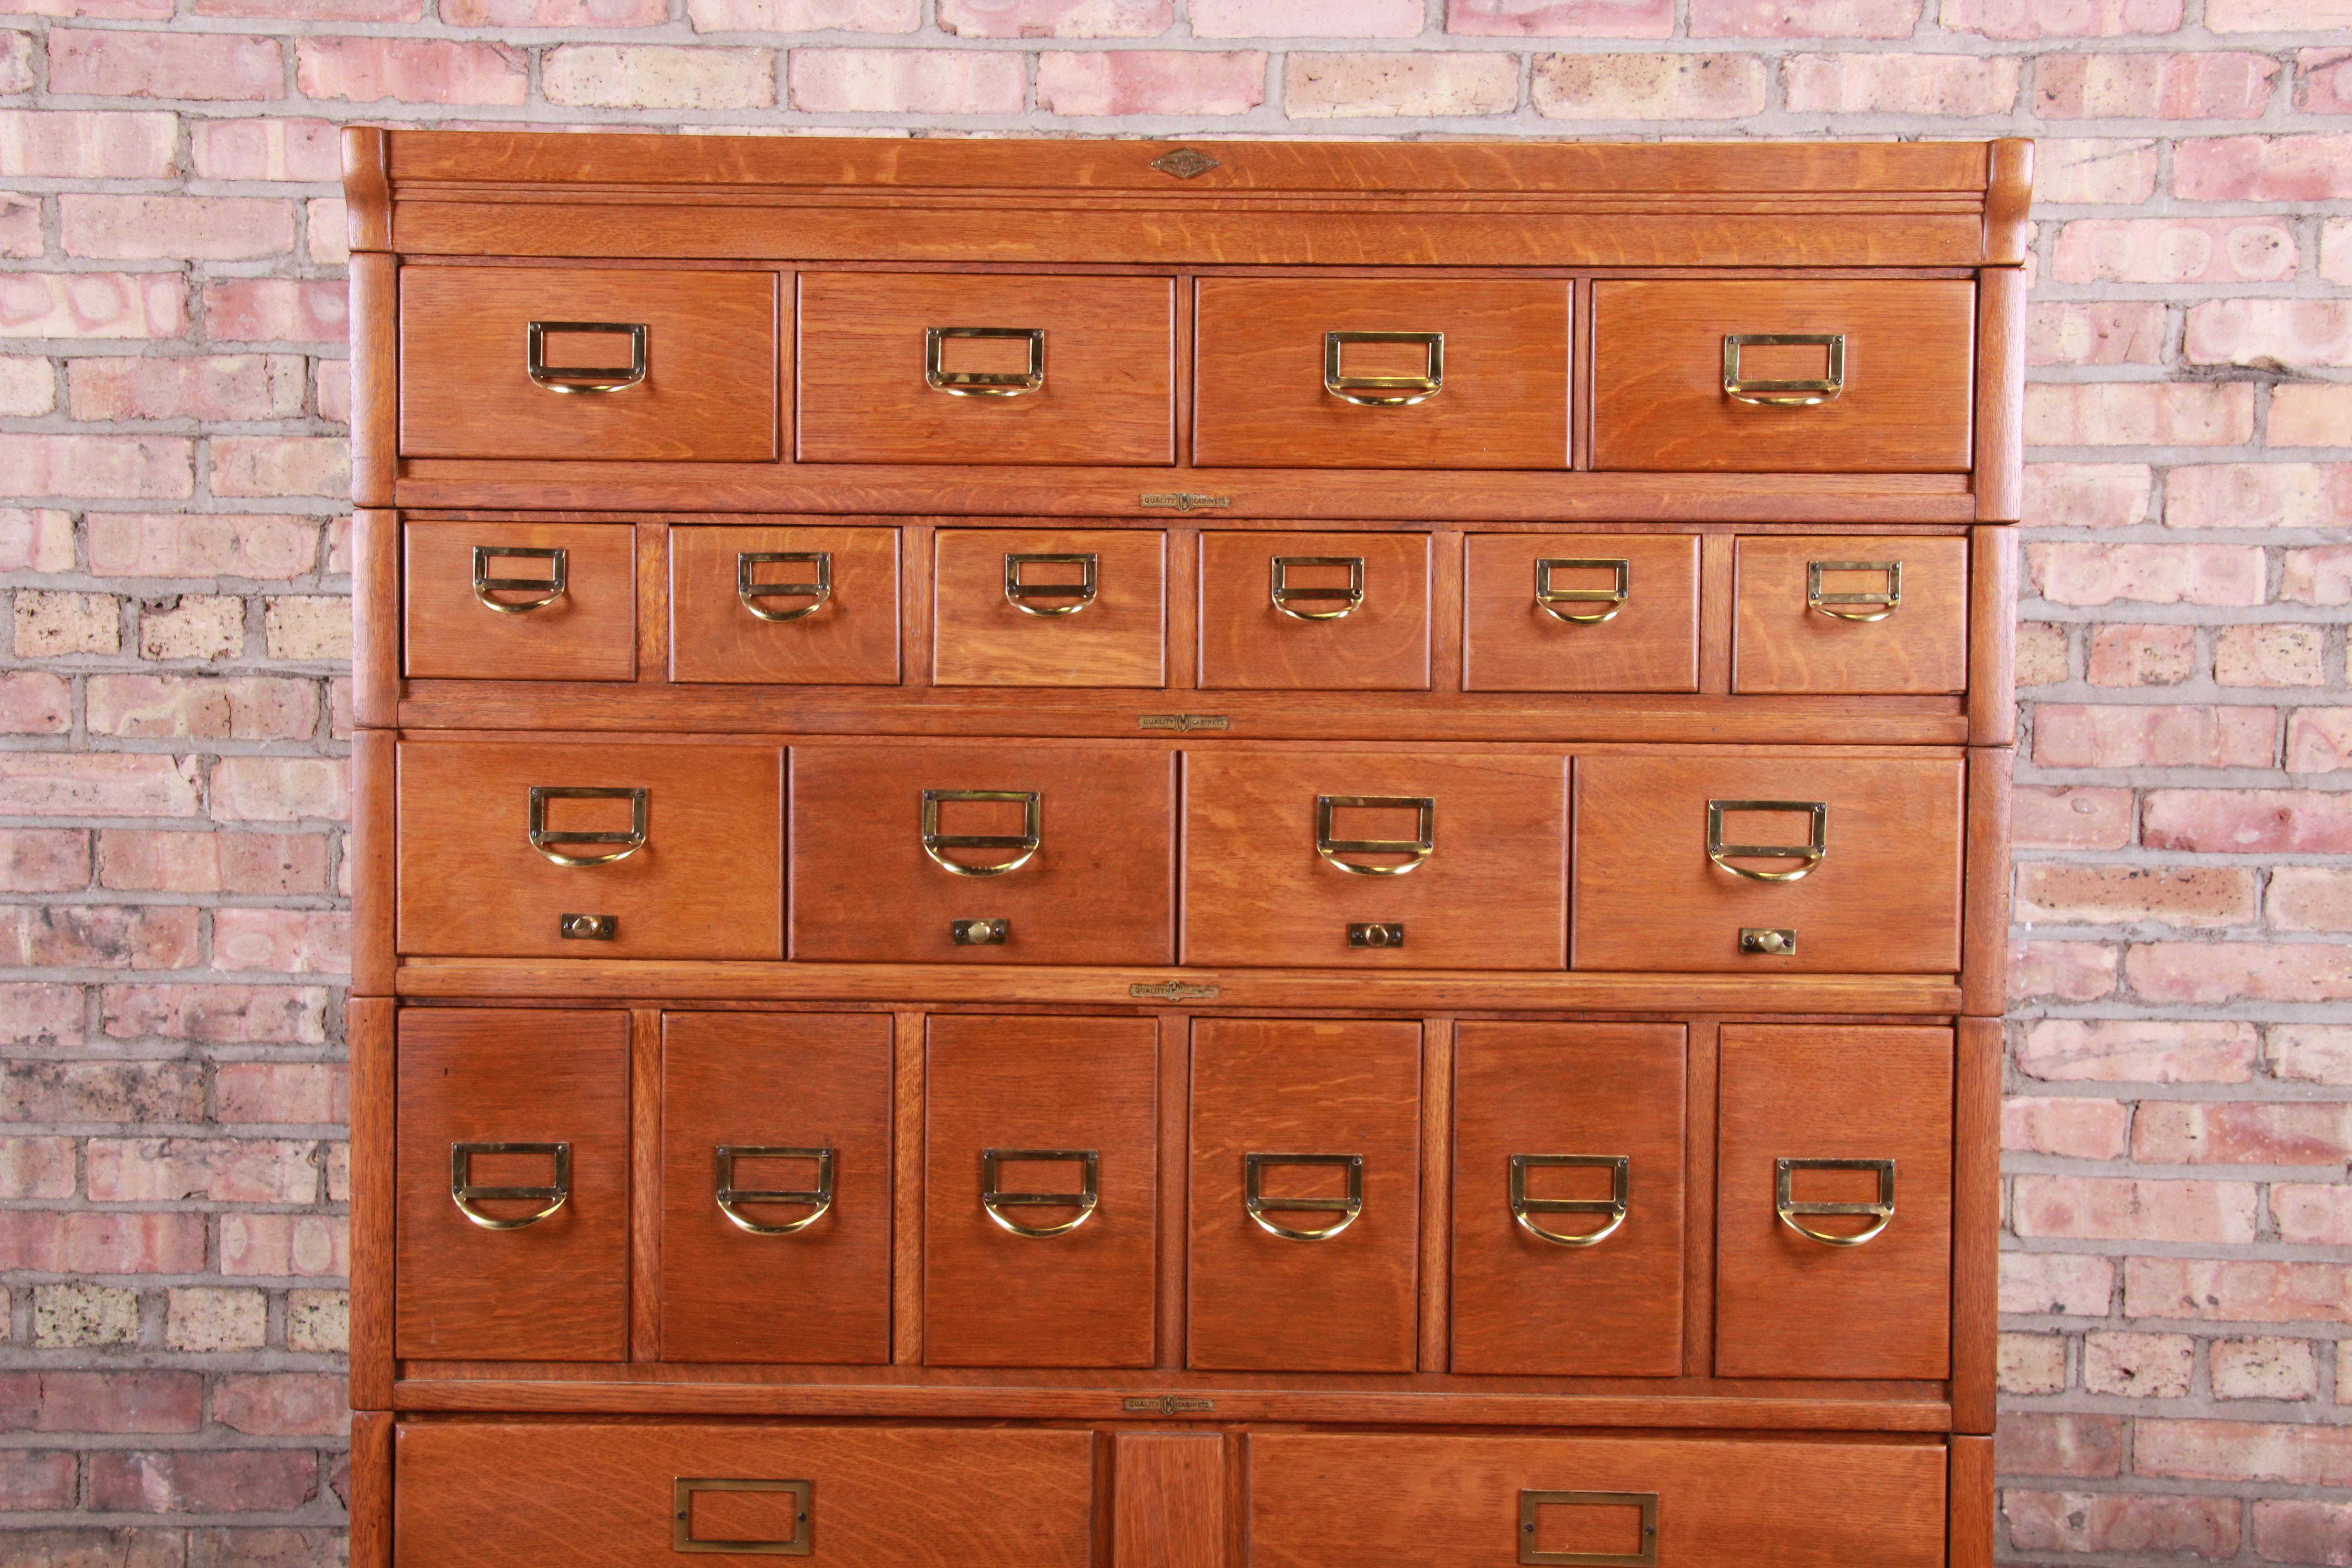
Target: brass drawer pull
[
  {"x": 819, "y": 1198},
  {"x": 1879, "y": 605},
  {"x": 580, "y": 378},
  {"x": 1549, "y": 599},
  {"x": 1257, "y": 1204},
  {"x": 1285, "y": 596},
  {"x": 465, "y": 1195},
  {"x": 1789, "y": 1208},
  {"x": 984, "y": 383},
  {"x": 816, "y": 592},
  {"x": 1032, "y": 831},
  {"x": 1089, "y": 1164},
  {"x": 1019, "y": 593},
  {"x": 543, "y": 838},
  {"x": 800, "y": 1543},
  {"x": 547, "y": 589},
  {"x": 587, "y": 927},
  {"x": 1768, "y": 941},
  {"x": 1384, "y": 390},
  {"x": 1421, "y": 847},
  {"x": 1529, "y": 1501},
  {"x": 988, "y": 932},
  {"x": 1376, "y": 933},
  {"x": 1619, "y": 1169},
  {"x": 1813, "y": 852},
  {"x": 1784, "y": 394}
]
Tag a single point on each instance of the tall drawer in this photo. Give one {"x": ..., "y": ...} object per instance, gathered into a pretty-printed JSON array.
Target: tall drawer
[
  {"x": 512, "y": 1174},
  {"x": 519, "y": 601},
  {"x": 1579, "y": 612},
  {"x": 1721, "y": 861},
  {"x": 637, "y": 1494},
  {"x": 1315, "y": 611},
  {"x": 1049, "y": 607},
  {"x": 611, "y": 850},
  {"x": 1703, "y": 376},
  {"x": 795, "y": 607},
  {"x": 1385, "y": 373},
  {"x": 1851, "y": 614},
  {"x": 973, "y": 368},
  {"x": 581, "y": 361}
]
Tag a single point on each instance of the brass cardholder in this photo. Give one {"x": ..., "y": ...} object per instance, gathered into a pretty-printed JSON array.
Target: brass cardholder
[
  {"x": 1790, "y": 1210},
  {"x": 816, "y": 590},
  {"x": 1032, "y": 831},
  {"x": 1384, "y": 390},
  {"x": 1020, "y": 594},
  {"x": 1872, "y": 607},
  {"x": 545, "y": 590},
  {"x": 818, "y": 1199},
  {"x": 1257, "y": 1204},
  {"x": 801, "y": 1543},
  {"x": 1619, "y": 1166},
  {"x": 1549, "y": 599},
  {"x": 465, "y": 1195},
  {"x": 1286, "y": 597},
  {"x": 1421, "y": 846},
  {"x": 1089, "y": 1164},
  {"x": 1529, "y": 1501},
  {"x": 1784, "y": 394},
  {"x": 580, "y": 378},
  {"x": 1815, "y": 848},
  {"x": 984, "y": 383},
  {"x": 544, "y": 838}
]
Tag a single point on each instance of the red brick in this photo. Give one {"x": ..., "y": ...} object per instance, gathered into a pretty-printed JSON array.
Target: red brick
[
  {"x": 2060, "y": 19},
  {"x": 278, "y": 1547},
  {"x": 174, "y": 228},
  {"x": 281, "y": 1405},
  {"x": 2112, "y": 332},
  {"x": 2237, "y": 1290},
  {"x": 279, "y": 789},
  {"x": 34, "y": 783},
  {"x": 2097, "y": 170},
  {"x": 309, "y": 151},
  {"x": 209, "y": 707},
  {"x": 1056, "y": 18},
  {"x": 2133, "y": 1050},
  {"x": 2068, "y": 970},
  {"x": 268, "y": 546},
  {"x": 87, "y": 144},
  {"x": 2137, "y": 1365},
  {"x": 651, "y": 76},
  {"x": 2263, "y": 168},
  {"x": 277, "y": 310},
  {"x": 905, "y": 81},
  {"x": 2139, "y": 414},
  {"x": 255, "y": 863},
  {"x": 2259, "y": 495},
  {"x": 2312, "y": 1215},
  {"x": 412, "y": 71},
  {"x": 2036, "y": 1443},
  {"x": 2058, "y": 1283},
  {"x": 1901, "y": 84},
  {"x": 2072, "y": 894},
  {"x": 100, "y": 1091},
  {"x": 247, "y": 466},
  {"x": 1150, "y": 81},
  {"x": 121, "y": 1402},
  {"x": 1561, "y": 19},
  {"x": 92, "y": 305},
  {"x": 2249, "y": 822},
  {"x": 2087, "y": 495},
  {"x": 282, "y": 942},
  {"x": 1648, "y": 87},
  {"x": 2306, "y": 415},
  {"x": 2069, "y": 1128},
  {"x": 2089, "y": 574},
  {"x": 2299, "y": 1530},
  {"x": 91, "y": 1242},
  {"x": 105, "y": 936},
  {"x": 218, "y": 1015},
  {"x": 2214, "y": 973},
  {"x": 2324, "y": 81},
  {"x": 804, "y": 16},
  {"x": 2210, "y": 85},
  {"x": 190, "y": 1480},
  {"x": 281, "y": 1093},
  {"x": 43, "y": 859},
  {"x": 2120, "y": 1521},
  {"x": 1392, "y": 83},
  {"x": 2253, "y": 250},
  {"x": 33, "y": 539},
  {"x": 183, "y": 65},
  {"x": 2319, "y": 739},
  {"x": 2275, "y": 15},
  {"x": 2071, "y": 735},
  {"x": 2142, "y": 656},
  {"x": 35, "y": 702},
  {"x": 35, "y": 1481},
  {"x": 134, "y": 468},
  {"x": 2042, "y": 654},
  {"x": 218, "y": 386},
  {"x": 2102, "y": 1208},
  {"x": 2270, "y": 332},
  {"x": 35, "y": 1015},
  {"x": 298, "y": 1245},
  {"x": 555, "y": 13},
  {"x": 2270, "y": 655},
  {"x": 2077, "y": 816},
  {"x": 215, "y": 1169},
  {"x": 1307, "y": 19},
  {"x": 1804, "y": 18},
  {"x": 2297, "y": 1454},
  {"x": 36, "y": 1168},
  {"x": 2179, "y": 1133},
  {"x": 2312, "y": 1053},
  {"x": 318, "y": 10}
]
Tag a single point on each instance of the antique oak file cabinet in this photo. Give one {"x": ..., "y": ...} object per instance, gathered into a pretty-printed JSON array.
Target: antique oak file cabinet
[{"x": 1097, "y": 853}]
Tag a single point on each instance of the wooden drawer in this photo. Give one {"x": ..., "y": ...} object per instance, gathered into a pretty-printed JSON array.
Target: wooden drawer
[
  {"x": 702, "y": 354},
  {"x": 797, "y": 1279},
  {"x": 1091, "y": 884},
  {"x": 1532, "y": 622},
  {"x": 1040, "y": 608},
  {"x": 729, "y": 621},
  {"x": 1790, "y": 1305},
  {"x": 1342, "y": 1499},
  {"x": 607, "y": 1495},
  {"x": 1661, "y": 394},
  {"x": 1019, "y": 1110},
  {"x": 1590, "y": 1114},
  {"x": 541, "y": 1274},
  {"x": 704, "y": 878},
  {"x": 877, "y": 386},
  {"x": 576, "y": 618},
  {"x": 1353, "y": 615},
  {"x": 1847, "y": 614},
  {"x": 1653, "y": 892},
  {"x": 1295, "y": 1091},
  {"x": 1268, "y": 394},
  {"x": 1269, "y": 878}
]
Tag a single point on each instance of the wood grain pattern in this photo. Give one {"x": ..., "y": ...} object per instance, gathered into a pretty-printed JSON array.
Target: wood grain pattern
[
  {"x": 1702, "y": 1064},
  {"x": 1511, "y": 642},
  {"x": 371, "y": 851},
  {"x": 906, "y": 1188},
  {"x": 367, "y": 188},
  {"x": 644, "y": 1185},
  {"x": 374, "y": 372},
  {"x": 1972, "y": 1502},
  {"x": 369, "y": 1500},
  {"x": 1171, "y": 1507},
  {"x": 980, "y": 639},
  {"x": 1435, "y": 1307},
  {"x": 2001, "y": 395},
  {"x": 2009, "y": 199},
  {"x": 1984, "y": 925},
  {"x": 588, "y": 633},
  {"x": 851, "y": 639},
  {"x": 1246, "y": 642},
  {"x": 368, "y": 1033},
  {"x": 1992, "y": 637},
  {"x": 1975, "y": 1223},
  {"x": 1782, "y": 644},
  {"x": 375, "y": 629}
]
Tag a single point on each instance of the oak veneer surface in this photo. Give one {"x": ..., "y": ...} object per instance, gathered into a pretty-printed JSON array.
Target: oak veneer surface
[
  {"x": 851, "y": 639},
  {"x": 1246, "y": 642},
  {"x": 586, "y": 633},
  {"x": 1170, "y": 1501},
  {"x": 1512, "y": 642},
  {"x": 982, "y": 638},
  {"x": 1783, "y": 644}
]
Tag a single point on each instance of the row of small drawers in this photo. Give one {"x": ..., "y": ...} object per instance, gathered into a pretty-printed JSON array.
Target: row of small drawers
[
  {"x": 1049, "y": 852},
  {"x": 1829, "y": 375},
  {"x": 1087, "y": 607},
  {"x": 1042, "y": 1197}
]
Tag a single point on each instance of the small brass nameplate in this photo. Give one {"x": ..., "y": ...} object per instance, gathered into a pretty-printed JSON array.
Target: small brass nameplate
[
  {"x": 1183, "y": 724},
  {"x": 1174, "y": 991},
  {"x": 1183, "y": 500},
  {"x": 1167, "y": 1404}
]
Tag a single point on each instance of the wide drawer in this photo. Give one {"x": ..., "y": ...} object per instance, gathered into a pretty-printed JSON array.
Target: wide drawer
[
  {"x": 1851, "y": 614},
  {"x": 1579, "y": 612},
  {"x": 795, "y": 607},
  {"x": 1050, "y": 607},
  {"x": 519, "y": 601}
]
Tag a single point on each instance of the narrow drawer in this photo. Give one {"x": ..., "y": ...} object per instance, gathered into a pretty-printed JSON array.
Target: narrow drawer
[
  {"x": 1879, "y": 384},
  {"x": 775, "y": 1152},
  {"x": 967, "y": 368},
  {"x": 1381, "y": 373},
  {"x": 1330, "y": 611},
  {"x": 1305, "y": 1204},
  {"x": 672, "y": 851},
  {"x": 520, "y": 601},
  {"x": 1817, "y": 864},
  {"x": 1040, "y": 1191},
  {"x": 789, "y": 607},
  {"x": 1293, "y": 856},
  {"x": 1340, "y": 1499},
  {"x": 1049, "y": 607},
  {"x": 512, "y": 1218},
  {"x": 605, "y": 1495},
  {"x": 565, "y": 362},
  {"x": 1579, "y": 612},
  {"x": 1568, "y": 1199},
  {"x": 1853, "y": 1118},
  {"x": 990, "y": 853},
  {"x": 1847, "y": 614}
]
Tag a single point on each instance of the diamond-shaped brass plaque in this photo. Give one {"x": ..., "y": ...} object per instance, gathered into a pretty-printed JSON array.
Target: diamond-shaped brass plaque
[{"x": 1184, "y": 163}]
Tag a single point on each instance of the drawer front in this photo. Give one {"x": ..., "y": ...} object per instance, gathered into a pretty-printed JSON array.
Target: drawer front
[
  {"x": 1579, "y": 612},
  {"x": 1477, "y": 879},
  {"x": 1491, "y": 391},
  {"x": 681, "y": 367},
  {"x": 827, "y": 614},
  {"x": 1353, "y": 612},
  {"x": 1585, "y": 1114},
  {"x": 532, "y": 1264},
  {"x": 1040, "y": 607},
  {"x": 1094, "y": 384},
  {"x": 1075, "y": 862},
  {"x": 686, "y": 837},
  {"x": 1338, "y": 1293},
  {"x": 520, "y": 601},
  {"x": 1847, "y": 614},
  {"x": 1898, "y": 355},
  {"x": 795, "y": 1106},
  {"x": 1655, "y": 891},
  {"x": 1798, "y": 1292},
  {"x": 1340, "y": 1499},
  {"x": 1040, "y": 1192},
  {"x": 602, "y": 1495}
]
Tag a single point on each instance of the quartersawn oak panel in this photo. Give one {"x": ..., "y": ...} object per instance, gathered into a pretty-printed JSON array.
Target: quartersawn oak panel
[
  {"x": 1781, "y": 644},
  {"x": 1380, "y": 645},
  {"x": 589, "y": 633},
  {"x": 1119, "y": 638},
  {"x": 1510, "y": 643},
  {"x": 851, "y": 639}
]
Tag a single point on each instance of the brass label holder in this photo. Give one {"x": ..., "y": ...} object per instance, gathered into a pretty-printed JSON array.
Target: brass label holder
[
  {"x": 1084, "y": 1200},
  {"x": 1873, "y": 605},
  {"x": 1287, "y": 598},
  {"x": 1549, "y": 599},
  {"x": 984, "y": 383},
  {"x": 546, "y": 840},
  {"x": 1384, "y": 390},
  {"x": 1523, "y": 1207},
  {"x": 1532, "y": 1500},
  {"x": 1032, "y": 834},
  {"x": 1813, "y": 852},
  {"x": 1019, "y": 593},
  {"x": 583, "y": 379},
  {"x": 801, "y": 1542},
  {"x": 817, "y": 1199},
  {"x": 547, "y": 589},
  {"x": 1421, "y": 846},
  {"x": 1881, "y": 1212},
  {"x": 465, "y": 1194},
  {"x": 750, "y": 591},
  {"x": 1258, "y": 1205},
  {"x": 1801, "y": 394}
]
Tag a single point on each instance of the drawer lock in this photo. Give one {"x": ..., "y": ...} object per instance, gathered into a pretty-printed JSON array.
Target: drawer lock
[
  {"x": 1619, "y": 1168},
  {"x": 1384, "y": 390},
  {"x": 1024, "y": 595},
  {"x": 1032, "y": 834},
  {"x": 1815, "y": 848},
  {"x": 1255, "y": 1200},
  {"x": 801, "y": 1503},
  {"x": 1767, "y": 940},
  {"x": 1881, "y": 1213},
  {"x": 816, "y": 590},
  {"x": 581, "y": 378},
  {"x": 1421, "y": 846},
  {"x": 1865, "y": 604},
  {"x": 545, "y": 840},
  {"x": 465, "y": 1194},
  {"x": 1608, "y": 600},
  {"x": 1376, "y": 933},
  {"x": 1288, "y": 597},
  {"x": 1089, "y": 1164},
  {"x": 1806, "y": 393},
  {"x": 587, "y": 928},
  {"x": 545, "y": 590},
  {"x": 980, "y": 933},
  {"x": 1645, "y": 1556},
  {"x": 817, "y": 1199},
  {"x": 984, "y": 383}
]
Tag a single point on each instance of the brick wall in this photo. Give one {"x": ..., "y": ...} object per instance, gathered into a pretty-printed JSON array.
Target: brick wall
[{"x": 173, "y": 717}]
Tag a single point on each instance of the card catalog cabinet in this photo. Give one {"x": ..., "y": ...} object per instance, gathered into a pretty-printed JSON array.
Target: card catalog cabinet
[{"x": 1294, "y": 855}]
